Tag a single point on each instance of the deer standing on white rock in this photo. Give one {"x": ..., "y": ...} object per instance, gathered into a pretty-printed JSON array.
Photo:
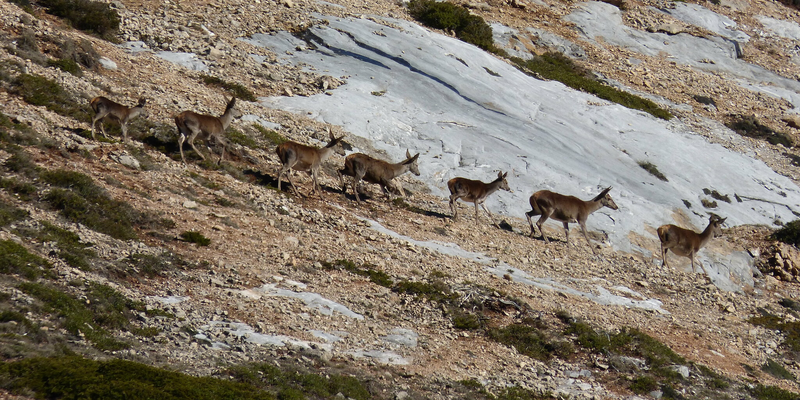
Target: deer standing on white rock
[
  {"x": 361, "y": 166},
  {"x": 687, "y": 243},
  {"x": 193, "y": 125},
  {"x": 476, "y": 192},
  {"x": 103, "y": 107},
  {"x": 566, "y": 209},
  {"x": 300, "y": 157}
]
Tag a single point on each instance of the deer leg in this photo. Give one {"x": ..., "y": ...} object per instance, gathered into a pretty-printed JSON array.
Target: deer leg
[
  {"x": 530, "y": 221},
  {"x": 540, "y": 222},
  {"x": 585, "y": 235},
  {"x": 222, "y": 154},
  {"x": 181, "y": 139},
  {"x": 191, "y": 143},
  {"x": 124, "y": 133},
  {"x": 566, "y": 231},
  {"x": 664, "y": 256},
  {"x": 453, "y": 208},
  {"x": 96, "y": 118},
  {"x": 476, "y": 212},
  {"x": 491, "y": 217}
]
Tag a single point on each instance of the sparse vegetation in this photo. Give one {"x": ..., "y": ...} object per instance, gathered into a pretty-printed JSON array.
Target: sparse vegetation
[
  {"x": 196, "y": 238},
  {"x": 73, "y": 377},
  {"x": 777, "y": 370},
  {"x": 273, "y": 137},
  {"x": 716, "y": 195},
  {"x": 80, "y": 200},
  {"x": 790, "y": 329},
  {"x": 86, "y": 15},
  {"x": 238, "y": 90},
  {"x": 70, "y": 248},
  {"x": 555, "y": 66},
  {"x": 653, "y": 170},
  {"x": 748, "y": 125},
  {"x": 789, "y": 233},
  {"x": 238, "y": 137},
  {"x": 708, "y": 203},
  {"x": 296, "y": 384},
  {"x": 66, "y": 65},
  {"x": 9, "y": 213},
  {"x": 18, "y": 260},
  {"x": 762, "y": 392},
  {"x": 452, "y": 17},
  {"x": 40, "y": 91}
]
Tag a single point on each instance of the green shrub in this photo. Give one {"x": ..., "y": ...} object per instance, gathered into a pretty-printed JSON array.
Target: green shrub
[
  {"x": 378, "y": 277},
  {"x": 451, "y": 17},
  {"x": 66, "y": 65},
  {"x": 762, "y": 392},
  {"x": 9, "y": 213},
  {"x": 153, "y": 265},
  {"x": 84, "y": 202},
  {"x": 777, "y": 370},
  {"x": 526, "y": 339},
  {"x": 716, "y": 195},
  {"x": 748, "y": 125},
  {"x": 790, "y": 330},
  {"x": 239, "y": 91},
  {"x": 40, "y": 91},
  {"x": 238, "y": 137},
  {"x": 72, "y": 377},
  {"x": 196, "y": 238},
  {"x": 643, "y": 384},
  {"x": 295, "y": 384},
  {"x": 21, "y": 163},
  {"x": 653, "y": 170},
  {"x": 555, "y": 66},
  {"x": 466, "y": 321},
  {"x": 104, "y": 308},
  {"x": 273, "y": 137},
  {"x": 70, "y": 248},
  {"x": 789, "y": 233},
  {"x": 18, "y": 260},
  {"x": 24, "y": 190},
  {"x": 86, "y": 15}
]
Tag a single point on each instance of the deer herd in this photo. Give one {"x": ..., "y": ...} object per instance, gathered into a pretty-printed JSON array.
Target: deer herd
[{"x": 300, "y": 157}]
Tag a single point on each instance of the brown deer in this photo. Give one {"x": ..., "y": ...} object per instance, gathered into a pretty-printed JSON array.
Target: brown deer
[
  {"x": 476, "y": 192},
  {"x": 300, "y": 157},
  {"x": 103, "y": 107},
  {"x": 193, "y": 125},
  {"x": 361, "y": 166},
  {"x": 687, "y": 243},
  {"x": 566, "y": 209}
]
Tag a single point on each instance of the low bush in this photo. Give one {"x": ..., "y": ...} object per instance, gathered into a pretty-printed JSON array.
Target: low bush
[
  {"x": 86, "y": 15},
  {"x": 762, "y": 392},
  {"x": 716, "y": 195},
  {"x": 531, "y": 341},
  {"x": 9, "y": 213},
  {"x": 40, "y": 91},
  {"x": 80, "y": 200},
  {"x": 73, "y": 377},
  {"x": 66, "y": 65},
  {"x": 452, "y": 17},
  {"x": 70, "y": 247},
  {"x": 555, "y": 66},
  {"x": 272, "y": 136},
  {"x": 296, "y": 384},
  {"x": 237, "y": 90},
  {"x": 748, "y": 125},
  {"x": 18, "y": 260},
  {"x": 777, "y": 370},
  {"x": 789, "y": 234},
  {"x": 24, "y": 190},
  {"x": 653, "y": 170},
  {"x": 196, "y": 238},
  {"x": 790, "y": 329}
]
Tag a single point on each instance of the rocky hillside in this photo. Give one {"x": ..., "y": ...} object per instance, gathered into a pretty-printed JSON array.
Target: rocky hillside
[{"x": 116, "y": 251}]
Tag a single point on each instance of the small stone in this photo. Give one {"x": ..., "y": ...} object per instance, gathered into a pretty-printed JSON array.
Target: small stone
[{"x": 190, "y": 204}]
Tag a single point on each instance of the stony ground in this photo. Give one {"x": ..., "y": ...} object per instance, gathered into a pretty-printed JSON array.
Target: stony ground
[{"x": 262, "y": 236}]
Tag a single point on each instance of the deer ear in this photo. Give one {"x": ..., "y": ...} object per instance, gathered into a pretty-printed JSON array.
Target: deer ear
[
  {"x": 408, "y": 154},
  {"x": 505, "y": 175}
]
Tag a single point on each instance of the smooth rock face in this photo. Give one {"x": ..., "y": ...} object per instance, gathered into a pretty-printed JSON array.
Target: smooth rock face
[{"x": 468, "y": 122}]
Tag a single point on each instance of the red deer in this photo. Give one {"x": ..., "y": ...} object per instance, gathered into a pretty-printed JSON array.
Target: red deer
[
  {"x": 566, "y": 209},
  {"x": 193, "y": 125},
  {"x": 104, "y": 107},
  {"x": 685, "y": 242},
  {"x": 361, "y": 166},
  {"x": 300, "y": 157},
  {"x": 476, "y": 192}
]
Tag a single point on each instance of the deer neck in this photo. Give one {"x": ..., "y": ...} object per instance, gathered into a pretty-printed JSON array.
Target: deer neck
[
  {"x": 325, "y": 152},
  {"x": 226, "y": 118},
  {"x": 494, "y": 186},
  {"x": 707, "y": 234},
  {"x": 592, "y": 206}
]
